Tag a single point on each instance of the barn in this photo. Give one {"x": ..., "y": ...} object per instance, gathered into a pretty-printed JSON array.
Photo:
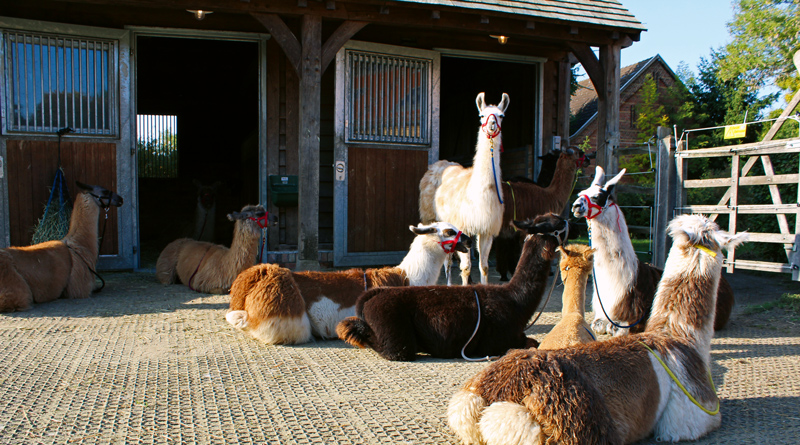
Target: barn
[{"x": 326, "y": 111}]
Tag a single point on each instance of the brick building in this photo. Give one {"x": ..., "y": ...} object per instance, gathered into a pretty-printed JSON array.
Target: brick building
[{"x": 583, "y": 104}]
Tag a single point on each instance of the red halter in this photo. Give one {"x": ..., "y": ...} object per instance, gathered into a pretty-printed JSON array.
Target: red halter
[
  {"x": 450, "y": 246},
  {"x": 592, "y": 206},
  {"x": 492, "y": 134},
  {"x": 262, "y": 221}
]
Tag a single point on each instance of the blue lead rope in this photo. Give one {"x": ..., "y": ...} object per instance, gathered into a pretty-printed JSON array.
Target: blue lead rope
[{"x": 494, "y": 174}]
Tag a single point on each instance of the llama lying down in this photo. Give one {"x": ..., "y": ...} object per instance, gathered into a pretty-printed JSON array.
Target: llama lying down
[
  {"x": 278, "y": 306},
  {"x": 52, "y": 269},
  {"x": 440, "y": 320},
  {"x": 211, "y": 268},
  {"x": 615, "y": 391},
  {"x": 624, "y": 286}
]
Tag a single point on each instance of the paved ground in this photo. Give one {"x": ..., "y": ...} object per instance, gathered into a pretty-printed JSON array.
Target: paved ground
[{"x": 140, "y": 363}]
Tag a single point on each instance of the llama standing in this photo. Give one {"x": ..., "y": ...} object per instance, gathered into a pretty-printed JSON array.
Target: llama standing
[
  {"x": 623, "y": 286},
  {"x": 205, "y": 212},
  {"x": 572, "y": 329},
  {"x": 470, "y": 198},
  {"x": 528, "y": 200},
  {"x": 49, "y": 270},
  {"x": 616, "y": 391},
  {"x": 278, "y": 306},
  {"x": 469, "y": 321},
  {"x": 211, "y": 268}
]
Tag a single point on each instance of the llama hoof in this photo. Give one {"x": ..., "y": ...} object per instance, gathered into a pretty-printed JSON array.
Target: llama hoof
[
  {"x": 600, "y": 326},
  {"x": 618, "y": 332}
]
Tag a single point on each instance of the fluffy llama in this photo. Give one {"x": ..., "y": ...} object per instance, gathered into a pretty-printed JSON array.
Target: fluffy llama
[
  {"x": 211, "y": 268},
  {"x": 528, "y": 200},
  {"x": 449, "y": 322},
  {"x": 470, "y": 198},
  {"x": 278, "y": 306},
  {"x": 49, "y": 270},
  {"x": 572, "y": 329},
  {"x": 614, "y": 391},
  {"x": 623, "y": 286},
  {"x": 205, "y": 211}
]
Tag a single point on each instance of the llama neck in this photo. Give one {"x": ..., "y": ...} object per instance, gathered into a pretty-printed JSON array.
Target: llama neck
[
  {"x": 563, "y": 179},
  {"x": 83, "y": 227},
  {"x": 685, "y": 302},
  {"x": 244, "y": 246},
  {"x": 487, "y": 152},
  {"x": 423, "y": 262},
  {"x": 530, "y": 278},
  {"x": 574, "y": 301},
  {"x": 204, "y": 221},
  {"x": 615, "y": 255}
]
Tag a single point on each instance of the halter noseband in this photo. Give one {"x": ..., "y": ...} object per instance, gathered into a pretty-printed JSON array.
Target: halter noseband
[
  {"x": 496, "y": 132},
  {"x": 262, "y": 221},
  {"x": 557, "y": 234},
  {"x": 592, "y": 206},
  {"x": 449, "y": 246}
]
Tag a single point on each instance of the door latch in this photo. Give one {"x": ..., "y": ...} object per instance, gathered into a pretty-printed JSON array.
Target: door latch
[{"x": 339, "y": 170}]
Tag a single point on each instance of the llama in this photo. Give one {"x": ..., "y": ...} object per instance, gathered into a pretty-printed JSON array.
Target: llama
[
  {"x": 205, "y": 211},
  {"x": 470, "y": 198},
  {"x": 616, "y": 391},
  {"x": 624, "y": 286},
  {"x": 211, "y": 268},
  {"x": 278, "y": 306},
  {"x": 46, "y": 271},
  {"x": 572, "y": 329},
  {"x": 399, "y": 322},
  {"x": 528, "y": 200}
]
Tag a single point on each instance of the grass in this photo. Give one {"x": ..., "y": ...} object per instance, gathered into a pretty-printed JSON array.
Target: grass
[{"x": 789, "y": 302}]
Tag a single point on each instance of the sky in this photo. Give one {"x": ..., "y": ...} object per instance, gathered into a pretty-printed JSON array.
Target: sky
[{"x": 678, "y": 30}]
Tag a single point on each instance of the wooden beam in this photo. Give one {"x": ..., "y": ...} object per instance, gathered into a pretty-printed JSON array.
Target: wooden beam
[
  {"x": 308, "y": 181},
  {"x": 608, "y": 109},
  {"x": 283, "y": 35},
  {"x": 343, "y": 33},
  {"x": 773, "y": 130},
  {"x": 585, "y": 55},
  {"x": 562, "y": 107}
]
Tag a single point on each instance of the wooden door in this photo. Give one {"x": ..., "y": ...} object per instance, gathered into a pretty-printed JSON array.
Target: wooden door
[{"x": 387, "y": 120}]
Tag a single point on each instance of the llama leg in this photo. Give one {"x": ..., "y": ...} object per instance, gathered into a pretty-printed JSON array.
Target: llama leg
[
  {"x": 466, "y": 266},
  {"x": 484, "y": 246},
  {"x": 15, "y": 295}
]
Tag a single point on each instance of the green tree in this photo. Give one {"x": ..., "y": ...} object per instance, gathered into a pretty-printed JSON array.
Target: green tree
[{"x": 651, "y": 112}]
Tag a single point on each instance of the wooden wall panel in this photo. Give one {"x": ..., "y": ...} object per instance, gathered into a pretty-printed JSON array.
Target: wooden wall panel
[
  {"x": 383, "y": 194},
  {"x": 31, "y": 168}
]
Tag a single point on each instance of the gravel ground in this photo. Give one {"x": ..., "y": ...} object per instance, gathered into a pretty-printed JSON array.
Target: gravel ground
[{"x": 142, "y": 364}]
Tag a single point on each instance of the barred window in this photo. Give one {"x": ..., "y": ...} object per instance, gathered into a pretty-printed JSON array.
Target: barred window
[
  {"x": 389, "y": 99},
  {"x": 55, "y": 81},
  {"x": 157, "y": 145}
]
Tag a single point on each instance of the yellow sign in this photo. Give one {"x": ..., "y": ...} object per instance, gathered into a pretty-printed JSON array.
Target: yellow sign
[{"x": 735, "y": 131}]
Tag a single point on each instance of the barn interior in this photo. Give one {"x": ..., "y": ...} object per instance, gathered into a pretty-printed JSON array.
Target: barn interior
[{"x": 211, "y": 87}]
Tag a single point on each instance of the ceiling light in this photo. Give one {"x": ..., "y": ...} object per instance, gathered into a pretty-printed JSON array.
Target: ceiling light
[
  {"x": 502, "y": 39},
  {"x": 199, "y": 14}
]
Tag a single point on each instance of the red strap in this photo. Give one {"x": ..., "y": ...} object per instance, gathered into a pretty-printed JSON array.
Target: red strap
[
  {"x": 262, "y": 221},
  {"x": 450, "y": 246},
  {"x": 592, "y": 206},
  {"x": 496, "y": 131}
]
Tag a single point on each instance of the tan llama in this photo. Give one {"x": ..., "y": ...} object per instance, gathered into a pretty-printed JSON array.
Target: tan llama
[{"x": 575, "y": 265}]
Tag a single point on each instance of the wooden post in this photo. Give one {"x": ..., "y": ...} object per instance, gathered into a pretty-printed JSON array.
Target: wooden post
[
  {"x": 733, "y": 205},
  {"x": 608, "y": 109},
  {"x": 665, "y": 201},
  {"x": 308, "y": 150}
]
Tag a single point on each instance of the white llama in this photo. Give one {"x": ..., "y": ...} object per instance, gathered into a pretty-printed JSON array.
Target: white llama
[{"x": 470, "y": 198}]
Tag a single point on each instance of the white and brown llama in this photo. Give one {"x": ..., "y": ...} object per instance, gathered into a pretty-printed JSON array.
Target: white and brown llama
[
  {"x": 616, "y": 391},
  {"x": 459, "y": 321},
  {"x": 52, "y": 269},
  {"x": 575, "y": 266},
  {"x": 624, "y": 286},
  {"x": 470, "y": 198},
  {"x": 211, "y": 268},
  {"x": 525, "y": 199},
  {"x": 278, "y": 306}
]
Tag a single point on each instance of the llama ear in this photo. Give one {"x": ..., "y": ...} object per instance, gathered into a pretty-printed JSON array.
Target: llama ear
[
  {"x": 614, "y": 180},
  {"x": 422, "y": 230},
  {"x": 233, "y": 216},
  {"x": 599, "y": 174},
  {"x": 729, "y": 241},
  {"x": 589, "y": 254},
  {"x": 504, "y": 103},
  {"x": 479, "y": 101}
]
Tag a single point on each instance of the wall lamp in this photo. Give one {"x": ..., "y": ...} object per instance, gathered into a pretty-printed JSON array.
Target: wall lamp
[
  {"x": 199, "y": 14},
  {"x": 501, "y": 39}
]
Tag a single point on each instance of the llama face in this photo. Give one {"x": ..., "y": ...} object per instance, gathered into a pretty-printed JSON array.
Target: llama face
[
  {"x": 102, "y": 196},
  {"x": 447, "y": 235},
  {"x": 491, "y": 115},
  {"x": 592, "y": 201},
  {"x": 549, "y": 224}
]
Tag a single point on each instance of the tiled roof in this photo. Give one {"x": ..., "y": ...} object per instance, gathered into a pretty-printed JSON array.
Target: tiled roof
[{"x": 596, "y": 12}]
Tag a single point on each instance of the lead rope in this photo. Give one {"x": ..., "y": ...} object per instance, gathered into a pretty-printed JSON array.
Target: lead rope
[
  {"x": 552, "y": 286},
  {"x": 477, "y": 325}
]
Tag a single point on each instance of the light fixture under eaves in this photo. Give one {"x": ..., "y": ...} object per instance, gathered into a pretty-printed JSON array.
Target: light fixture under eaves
[
  {"x": 199, "y": 14},
  {"x": 502, "y": 39}
]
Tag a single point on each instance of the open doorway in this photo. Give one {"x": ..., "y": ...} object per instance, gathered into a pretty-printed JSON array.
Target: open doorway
[{"x": 198, "y": 114}]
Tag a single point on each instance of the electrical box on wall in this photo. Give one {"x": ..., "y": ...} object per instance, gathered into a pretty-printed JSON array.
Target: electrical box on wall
[{"x": 556, "y": 143}]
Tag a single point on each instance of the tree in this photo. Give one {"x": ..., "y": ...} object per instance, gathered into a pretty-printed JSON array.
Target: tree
[{"x": 764, "y": 40}]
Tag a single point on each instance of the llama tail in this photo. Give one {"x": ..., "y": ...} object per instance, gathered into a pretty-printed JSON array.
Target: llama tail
[
  {"x": 356, "y": 332},
  {"x": 430, "y": 182},
  {"x": 167, "y": 264}
]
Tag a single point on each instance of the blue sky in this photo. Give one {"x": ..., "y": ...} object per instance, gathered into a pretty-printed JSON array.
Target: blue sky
[{"x": 679, "y": 30}]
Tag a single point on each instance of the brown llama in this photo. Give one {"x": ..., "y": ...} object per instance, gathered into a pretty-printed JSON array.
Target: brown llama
[
  {"x": 52, "y": 269},
  {"x": 211, "y": 268},
  {"x": 470, "y": 198},
  {"x": 454, "y": 321},
  {"x": 278, "y": 306},
  {"x": 623, "y": 286},
  {"x": 528, "y": 200},
  {"x": 575, "y": 266},
  {"x": 616, "y": 391}
]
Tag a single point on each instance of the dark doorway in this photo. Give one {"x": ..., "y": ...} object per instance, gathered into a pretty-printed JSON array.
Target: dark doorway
[
  {"x": 462, "y": 80},
  {"x": 211, "y": 88}
]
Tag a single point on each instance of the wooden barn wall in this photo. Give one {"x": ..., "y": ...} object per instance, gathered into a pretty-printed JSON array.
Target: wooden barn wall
[
  {"x": 550, "y": 105},
  {"x": 282, "y": 147},
  {"x": 31, "y": 168}
]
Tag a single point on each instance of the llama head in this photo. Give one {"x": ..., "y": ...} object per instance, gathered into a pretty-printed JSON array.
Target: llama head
[
  {"x": 206, "y": 194},
  {"x": 254, "y": 217},
  {"x": 550, "y": 225},
  {"x": 446, "y": 235},
  {"x": 491, "y": 115},
  {"x": 595, "y": 199},
  {"x": 697, "y": 231},
  {"x": 102, "y": 196},
  {"x": 575, "y": 257}
]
